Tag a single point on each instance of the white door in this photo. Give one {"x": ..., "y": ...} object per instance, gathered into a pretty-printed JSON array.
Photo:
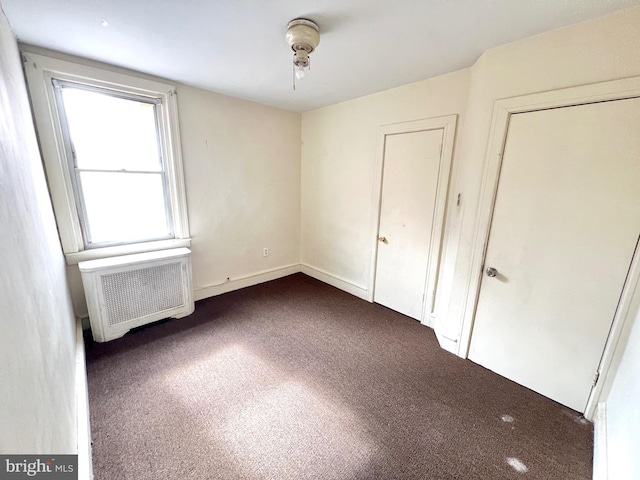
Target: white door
[
  {"x": 565, "y": 225},
  {"x": 409, "y": 187}
]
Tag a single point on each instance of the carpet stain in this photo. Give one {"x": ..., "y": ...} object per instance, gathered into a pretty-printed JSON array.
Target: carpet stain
[{"x": 517, "y": 465}]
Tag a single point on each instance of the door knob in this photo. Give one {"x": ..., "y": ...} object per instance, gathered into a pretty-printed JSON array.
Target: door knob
[
  {"x": 491, "y": 272},
  {"x": 383, "y": 240}
]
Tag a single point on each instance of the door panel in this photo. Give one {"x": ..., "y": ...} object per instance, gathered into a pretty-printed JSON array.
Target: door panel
[
  {"x": 565, "y": 224},
  {"x": 409, "y": 184}
]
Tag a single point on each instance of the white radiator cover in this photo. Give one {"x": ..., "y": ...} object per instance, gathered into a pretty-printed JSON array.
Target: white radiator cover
[{"x": 132, "y": 290}]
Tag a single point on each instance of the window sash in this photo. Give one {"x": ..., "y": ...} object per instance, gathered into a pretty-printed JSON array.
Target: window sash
[
  {"x": 93, "y": 240},
  {"x": 75, "y": 171}
]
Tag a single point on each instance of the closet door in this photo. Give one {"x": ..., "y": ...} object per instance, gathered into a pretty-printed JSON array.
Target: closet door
[
  {"x": 565, "y": 227},
  {"x": 409, "y": 187}
]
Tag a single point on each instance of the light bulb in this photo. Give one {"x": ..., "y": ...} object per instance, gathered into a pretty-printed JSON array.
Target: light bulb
[{"x": 300, "y": 72}]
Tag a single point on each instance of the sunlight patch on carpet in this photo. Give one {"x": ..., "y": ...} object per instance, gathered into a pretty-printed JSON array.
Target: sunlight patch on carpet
[
  {"x": 290, "y": 430},
  {"x": 273, "y": 425}
]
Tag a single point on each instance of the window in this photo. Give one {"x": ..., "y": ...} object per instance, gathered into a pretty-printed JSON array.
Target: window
[
  {"x": 113, "y": 148},
  {"x": 112, "y": 155}
]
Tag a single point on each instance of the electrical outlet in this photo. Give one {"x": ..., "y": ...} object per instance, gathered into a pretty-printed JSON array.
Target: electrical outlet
[{"x": 265, "y": 252}]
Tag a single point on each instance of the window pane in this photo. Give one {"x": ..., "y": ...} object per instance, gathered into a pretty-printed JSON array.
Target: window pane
[
  {"x": 110, "y": 133},
  {"x": 124, "y": 207}
]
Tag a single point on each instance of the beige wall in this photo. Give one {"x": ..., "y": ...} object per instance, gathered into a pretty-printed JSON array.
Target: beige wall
[
  {"x": 37, "y": 325},
  {"x": 603, "y": 49},
  {"x": 338, "y": 159},
  {"x": 242, "y": 169}
]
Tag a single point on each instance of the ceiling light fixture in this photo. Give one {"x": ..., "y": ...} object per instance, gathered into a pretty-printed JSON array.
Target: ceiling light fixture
[{"x": 303, "y": 36}]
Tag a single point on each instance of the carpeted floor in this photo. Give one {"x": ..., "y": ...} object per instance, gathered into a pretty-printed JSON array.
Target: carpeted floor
[{"x": 294, "y": 379}]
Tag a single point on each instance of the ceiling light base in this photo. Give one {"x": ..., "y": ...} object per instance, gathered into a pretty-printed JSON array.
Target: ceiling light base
[
  {"x": 303, "y": 37},
  {"x": 303, "y": 34}
]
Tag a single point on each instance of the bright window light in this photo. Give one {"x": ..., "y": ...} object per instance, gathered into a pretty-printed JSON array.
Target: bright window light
[{"x": 115, "y": 156}]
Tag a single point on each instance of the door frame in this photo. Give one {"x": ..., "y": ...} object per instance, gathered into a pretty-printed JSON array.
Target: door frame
[
  {"x": 446, "y": 123},
  {"x": 605, "y": 91}
]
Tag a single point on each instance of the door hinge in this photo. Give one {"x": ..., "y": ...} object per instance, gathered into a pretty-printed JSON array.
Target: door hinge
[{"x": 596, "y": 376}]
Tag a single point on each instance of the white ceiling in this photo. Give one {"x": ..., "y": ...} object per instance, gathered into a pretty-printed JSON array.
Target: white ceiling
[{"x": 237, "y": 47}]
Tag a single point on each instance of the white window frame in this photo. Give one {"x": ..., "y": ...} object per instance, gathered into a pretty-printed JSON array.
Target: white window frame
[{"x": 40, "y": 71}]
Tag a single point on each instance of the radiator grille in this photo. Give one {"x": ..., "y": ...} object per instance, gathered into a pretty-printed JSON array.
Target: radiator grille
[{"x": 136, "y": 293}]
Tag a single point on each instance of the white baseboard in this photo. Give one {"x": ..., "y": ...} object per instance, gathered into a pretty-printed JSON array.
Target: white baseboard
[
  {"x": 246, "y": 281},
  {"x": 335, "y": 281},
  {"x": 428, "y": 320},
  {"x": 600, "y": 458},
  {"x": 85, "y": 463},
  {"x": 446, "y": 343},
  {"x": 267, "y": 275}
]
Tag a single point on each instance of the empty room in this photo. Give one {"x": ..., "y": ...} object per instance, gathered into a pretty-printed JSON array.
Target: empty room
[{"x": 320, "y": 240}]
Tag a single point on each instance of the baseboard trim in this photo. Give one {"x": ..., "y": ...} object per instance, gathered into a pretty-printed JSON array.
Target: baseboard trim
[
  {"x": 85, "y": 463},
  {"x": 335, "y": 281},
  {"x": 600, "y": 458},
  {"x": 245, "y": 281},
  {"x": 445, "y": 343},
  {"x": 428, "y": 320}
]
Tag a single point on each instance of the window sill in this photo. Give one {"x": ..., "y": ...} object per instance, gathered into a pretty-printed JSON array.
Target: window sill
[{"x": 106, "y": 252}]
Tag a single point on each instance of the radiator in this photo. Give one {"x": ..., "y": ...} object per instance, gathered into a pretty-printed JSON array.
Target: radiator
[{"x": 132, "y": 290}]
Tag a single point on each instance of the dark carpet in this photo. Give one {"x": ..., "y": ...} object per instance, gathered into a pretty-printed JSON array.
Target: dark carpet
[{"x": 294, "y": 379}]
